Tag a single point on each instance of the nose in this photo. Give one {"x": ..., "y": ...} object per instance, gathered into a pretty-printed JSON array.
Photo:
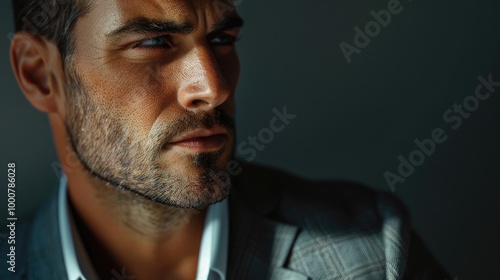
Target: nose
[{"x": 203, "y": 87}]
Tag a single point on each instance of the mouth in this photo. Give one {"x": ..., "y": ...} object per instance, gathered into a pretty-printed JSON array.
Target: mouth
[{"x": 202, "y": 140}]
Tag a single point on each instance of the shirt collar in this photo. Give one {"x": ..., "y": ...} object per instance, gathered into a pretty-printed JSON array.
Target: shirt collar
[{"x": 212, "y": 260}]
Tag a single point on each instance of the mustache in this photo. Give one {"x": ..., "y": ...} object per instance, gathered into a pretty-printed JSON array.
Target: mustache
[{"x": 167, "y": 132}]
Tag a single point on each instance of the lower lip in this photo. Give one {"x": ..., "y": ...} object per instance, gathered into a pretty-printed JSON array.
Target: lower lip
[{"x": 214, "y": 142}]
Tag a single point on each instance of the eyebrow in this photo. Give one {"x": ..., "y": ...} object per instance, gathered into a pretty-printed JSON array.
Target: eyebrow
[
  {"x": 145, "y": 25},
  {"x": 228, "y": 23}
]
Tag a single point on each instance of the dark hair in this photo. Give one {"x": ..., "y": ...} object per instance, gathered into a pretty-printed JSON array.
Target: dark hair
[{"x": 50, "y": 19}]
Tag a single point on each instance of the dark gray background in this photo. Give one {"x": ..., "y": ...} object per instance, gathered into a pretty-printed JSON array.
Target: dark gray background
[{"x": 354, "y": 120}]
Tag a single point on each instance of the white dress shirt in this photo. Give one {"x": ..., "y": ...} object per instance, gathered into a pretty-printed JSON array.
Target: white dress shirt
[{"x": 212, "y": 260}]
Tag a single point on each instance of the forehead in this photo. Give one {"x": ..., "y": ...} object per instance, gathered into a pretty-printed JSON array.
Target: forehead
[{"x": 108, "y": 14}]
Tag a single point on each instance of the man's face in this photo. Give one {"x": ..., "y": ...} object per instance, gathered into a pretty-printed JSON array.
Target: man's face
[{"x": 150, "y": 96}]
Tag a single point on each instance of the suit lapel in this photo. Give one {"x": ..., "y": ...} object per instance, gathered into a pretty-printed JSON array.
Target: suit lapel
[{"x": 258, "y": 246}]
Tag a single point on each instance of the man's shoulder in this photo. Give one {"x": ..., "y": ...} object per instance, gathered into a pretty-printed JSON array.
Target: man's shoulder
[
  {"x": 335, "y": 229},
  {"x": 344, "y": 229},
  {"x": 294, "y": 197}
]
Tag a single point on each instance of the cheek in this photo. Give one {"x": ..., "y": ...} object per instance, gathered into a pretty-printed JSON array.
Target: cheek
[
  {"x": 229, "y": 66},
  {"x": 135, "y": 95}
]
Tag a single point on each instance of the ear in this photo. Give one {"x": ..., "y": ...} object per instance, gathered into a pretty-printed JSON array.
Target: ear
[{"x": 37, "y": 66}]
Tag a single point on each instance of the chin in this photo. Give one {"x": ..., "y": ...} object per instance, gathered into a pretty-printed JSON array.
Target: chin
[{"x": 195, "y": 180}]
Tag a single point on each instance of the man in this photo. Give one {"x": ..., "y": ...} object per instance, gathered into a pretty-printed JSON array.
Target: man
[{"x": 140, "y": 97}]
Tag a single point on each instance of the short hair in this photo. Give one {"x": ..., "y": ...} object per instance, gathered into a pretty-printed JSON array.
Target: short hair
[{"x": 51, "y": 19}]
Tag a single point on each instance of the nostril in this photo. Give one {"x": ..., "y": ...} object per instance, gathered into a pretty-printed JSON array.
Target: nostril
[{"x": 196, "y": 101}]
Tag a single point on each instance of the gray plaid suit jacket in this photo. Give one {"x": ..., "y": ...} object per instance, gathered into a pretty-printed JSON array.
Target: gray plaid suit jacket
[{"x": 281, "y": 227}]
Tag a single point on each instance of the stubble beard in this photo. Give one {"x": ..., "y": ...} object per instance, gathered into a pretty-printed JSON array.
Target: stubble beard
[{"x": 134, "y": 180}]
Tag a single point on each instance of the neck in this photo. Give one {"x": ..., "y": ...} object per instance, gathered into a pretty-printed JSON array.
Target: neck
[{"x": 144, "y": 237}]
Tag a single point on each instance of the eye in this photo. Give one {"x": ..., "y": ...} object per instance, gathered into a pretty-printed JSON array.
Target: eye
[
  {"x": 157, "y": 42},
  {"x": 224, "y": 39}
]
